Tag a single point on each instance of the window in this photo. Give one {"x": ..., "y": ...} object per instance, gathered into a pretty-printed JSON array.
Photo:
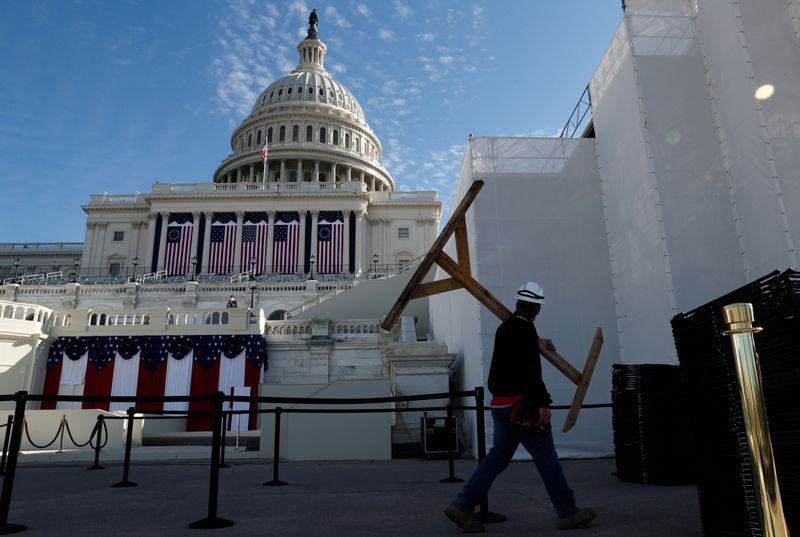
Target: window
[
  {"x": 347, "y": 140},
  {"x": 258, "y": 138},
  {"x": 119, "y": 236},
  {"x": 113, "y": 269},
  {"x": 271, "y": 95},
  {"x": 309, "y": 133},
  {"x": 280, "y": 92},
  {"x": 295, "y": 133},
  {"x": 293, "y": 176},
  {"x": 289, "y": 91},
  {"x": 358, "y": 144},
  {"x": 403, "y": 233},
  {"x": 323, "y": 177},
  {"x": 299, "y": 90},
  {"x": 335, "y": 137},
  {"x": 282, "y": 134},
  {"x": 269, "y": 135},
  {"x": 310, "y": 89},
  {"x": 250, "y": 140},
  {"x": 277, "y": 315},
  {"x": 306, "y": 176},
  {"x": 322, "y": 136},
  {"x": 403, "y": 263},
  {"x": 322, "y": 91}
]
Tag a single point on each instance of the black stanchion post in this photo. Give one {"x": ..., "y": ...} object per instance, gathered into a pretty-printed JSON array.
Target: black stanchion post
[
  {"x": 484, "y": 515},
  {"x": 450, "y": 426},
  {"x": 276, "y": 453},
  {"x": 5, "y": 445},
  {"x": 11, "y": 470},
  {"x": 128, "y": 443},
  {"x": 224, "y": 442},
  {"x": 212, "y": 521},
  {"x": 99, "y": 428}
]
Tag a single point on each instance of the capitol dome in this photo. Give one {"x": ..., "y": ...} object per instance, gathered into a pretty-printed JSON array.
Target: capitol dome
[{"x": 314, "y": 128}]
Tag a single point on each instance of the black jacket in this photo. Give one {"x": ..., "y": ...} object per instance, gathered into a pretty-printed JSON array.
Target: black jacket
[{"x": 516, "y": 367}]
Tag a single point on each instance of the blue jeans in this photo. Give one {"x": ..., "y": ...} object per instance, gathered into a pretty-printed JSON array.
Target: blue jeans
[{"x": 507, "y": 437}]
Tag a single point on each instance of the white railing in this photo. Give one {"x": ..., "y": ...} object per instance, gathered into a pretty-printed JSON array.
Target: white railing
[
  {"x": 24, "y": 312},
  {"x": 322, "y": 297},
  {"x": 4, "y": 246},
  {"x": 303, "y": 186}
]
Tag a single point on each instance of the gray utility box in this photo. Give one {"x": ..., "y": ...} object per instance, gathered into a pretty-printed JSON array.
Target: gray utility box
[{"x": 439, "y": 435}]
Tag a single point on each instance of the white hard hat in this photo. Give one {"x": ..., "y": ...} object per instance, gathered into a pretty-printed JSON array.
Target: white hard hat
[{"x": 531, "y": 292}]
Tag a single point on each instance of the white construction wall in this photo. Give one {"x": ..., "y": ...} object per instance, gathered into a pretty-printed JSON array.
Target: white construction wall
[
  {"x": 690, "y": 190},
  {"x": 536, "y": 218}
]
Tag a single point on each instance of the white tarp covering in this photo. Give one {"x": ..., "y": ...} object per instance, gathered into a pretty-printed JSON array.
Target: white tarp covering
[
  {"x": 538, "y": 217},
  {"x": 690, "y": 189}
]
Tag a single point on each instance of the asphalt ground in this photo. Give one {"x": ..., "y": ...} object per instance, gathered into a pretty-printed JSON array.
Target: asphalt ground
[{"x": 384, "y": 498}]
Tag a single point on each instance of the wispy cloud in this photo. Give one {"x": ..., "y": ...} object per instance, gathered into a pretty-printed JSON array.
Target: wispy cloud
[
  {"x": 428, "y": 36},
  {"x": 336, "y": 17},
  {"x": 363, "y": 10},
  {"x": 403, "y": 10},
  {"x": 385, "y": 34}
]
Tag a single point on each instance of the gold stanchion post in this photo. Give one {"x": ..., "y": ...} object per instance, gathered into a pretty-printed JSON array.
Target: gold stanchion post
[{"x": 739, "y": 318}]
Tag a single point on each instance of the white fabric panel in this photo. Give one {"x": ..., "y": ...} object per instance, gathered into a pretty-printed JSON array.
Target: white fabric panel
[
  {"x": 73, "y": 377},
  {"x": 231, "y": 375},
  {"x": 659, "y": 6},
  {"x": 179, "y": 379},
  {"x": 231, "y": 372},
  {"x": 663, "y": 35},
  {"x": 74, "y": 371},
  {"x": 126, "y": 376}
]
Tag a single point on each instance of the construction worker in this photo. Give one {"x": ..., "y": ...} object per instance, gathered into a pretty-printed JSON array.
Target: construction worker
[{"x": 521, "y": 413}]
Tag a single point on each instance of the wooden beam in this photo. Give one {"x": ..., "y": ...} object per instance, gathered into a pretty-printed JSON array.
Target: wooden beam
[
  {"x": 588, "y": 371},
  {"x": 462, "y": 246},
  {"x": 560, "y": 363},
  {"x": 470, "y": 284},
  {"x": 434, "y": 288},
  {"x": 432, "y": 254}
]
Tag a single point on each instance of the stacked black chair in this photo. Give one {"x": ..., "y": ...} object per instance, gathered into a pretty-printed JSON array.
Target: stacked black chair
[
  {"x": 728, "y": 498},
  {"x": 650, "y": 418}
]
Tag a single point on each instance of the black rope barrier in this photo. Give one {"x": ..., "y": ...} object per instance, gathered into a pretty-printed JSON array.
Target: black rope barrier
[
  {"x": 72, "y": 439},
  {"x": 53, "y": 441},
  {"x": 11, "y": 470},
  {"x": 100, "y": 427},
  {"x": 276, "y": 452}
]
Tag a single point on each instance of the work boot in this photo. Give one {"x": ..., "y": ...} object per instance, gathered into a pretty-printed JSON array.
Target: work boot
[
  {"x": 463, "y": 519},
  {"x": 578, "y": 519}
]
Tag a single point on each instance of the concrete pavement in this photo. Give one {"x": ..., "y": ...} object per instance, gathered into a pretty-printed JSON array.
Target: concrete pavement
[{"x": 395, "y": 498}]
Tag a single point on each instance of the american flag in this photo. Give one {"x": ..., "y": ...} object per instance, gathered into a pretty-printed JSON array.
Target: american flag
[
  {"x": 285, "y": 243},
  {"x": 264, "y": 152},
  {"x": 254, "y": 241},
  {"x": 179, "y": 244},
  {"x": 330, "y": 242},
  {"x": 222, "y": 243}
]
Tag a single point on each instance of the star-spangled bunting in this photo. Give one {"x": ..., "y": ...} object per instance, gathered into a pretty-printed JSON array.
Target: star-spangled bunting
[{"x": 154, "y": 350}]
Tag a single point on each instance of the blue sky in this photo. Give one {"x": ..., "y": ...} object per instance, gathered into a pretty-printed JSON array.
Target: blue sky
[{"x": 110, "y": 96}]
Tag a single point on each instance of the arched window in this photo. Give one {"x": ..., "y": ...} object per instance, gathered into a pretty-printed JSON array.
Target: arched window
[
  {"x": 335, "y": 137},
  {"x": 269, "y": 135},
  {"x": 295, "y": 133},
  {"x": 293, "y": 176},
  {"x": 306, "y": 176},
  {"x": 258, "y": 138},
  {"x": 250, "y": 140},
  {"x": 347, "y": 140},
  {"x": 358, "y": 144},
  {"x": 309, "y": 133},
  {"x": 322, "y": 136},
  {"x": 289, "y": 91},
  {"x": 277, "y": 315},
  {"x": 322, "y": 91},
  {"x": 282, "y": 134},
  {"x": 280, "y": 92}
]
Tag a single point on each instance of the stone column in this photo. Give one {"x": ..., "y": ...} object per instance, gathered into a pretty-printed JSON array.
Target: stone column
[
  {"x": 301, "y": 258},
  {"x": 88, "y": 244},
  {"x": 147, "y": 260},
  {"x": 300, "y": 177},
  {"x": 333, "y": 172},
  {"x": 162, "y": 241},
  {"x": 314, "y": 236},
  {"x": 359, "y": 243},
  {"x": 207, "y": 239},
  {"x": 316, "y": 171},
  {"x": 270, "y": 241},
  {"x": 346, "y": 253},
  {"x": 238, "y": 175},
  {"x": 252, "y": 173},
  {"x": 196, "y": 238},
  {"x": 237, "y": 249},
  {"x": 349, "y": 173},
  {"x": 97, "y": 266},
  {"x": 283, "y": 171}
]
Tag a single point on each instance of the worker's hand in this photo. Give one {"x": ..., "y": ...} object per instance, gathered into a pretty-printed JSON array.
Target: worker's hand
[
  {"x": 548, "y": 344},
  {"x": 544, "y": 417}
]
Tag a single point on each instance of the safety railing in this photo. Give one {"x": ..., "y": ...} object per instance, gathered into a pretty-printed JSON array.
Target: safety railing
[{"x": 16, "y": 426}]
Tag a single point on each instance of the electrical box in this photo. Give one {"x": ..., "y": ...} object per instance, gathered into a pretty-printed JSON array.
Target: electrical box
[{"x": 439, "y": 435}]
